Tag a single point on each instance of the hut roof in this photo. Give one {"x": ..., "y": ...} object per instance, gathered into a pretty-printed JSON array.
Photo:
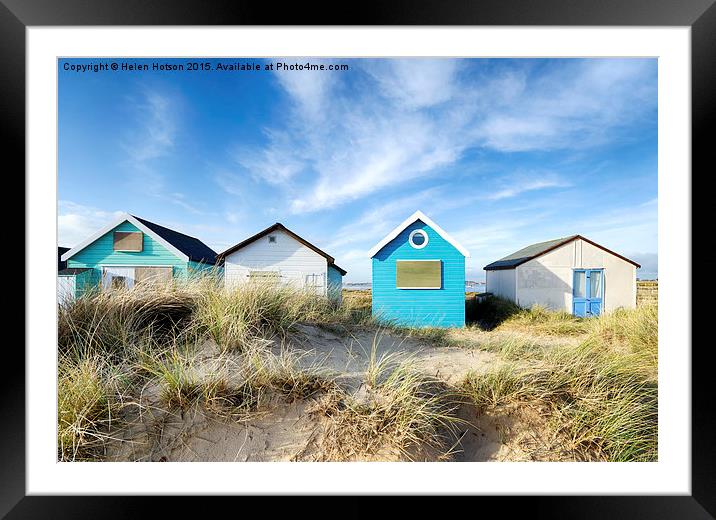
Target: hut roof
[
  {"x": 534, "y": 250},
  {"x": 418, "y": 215}
]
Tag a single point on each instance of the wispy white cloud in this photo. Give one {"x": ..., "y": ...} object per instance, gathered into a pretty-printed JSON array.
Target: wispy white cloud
[
  {"x": 155, "y": 130},
  {"x": 152, "y": 137},
  {"x": 405, "y": 120},
  {"x": 416, "y": 83},
  {"x": 515, "y": 185},
  {"x": 276, "y": 163},
  {"x": 182, "y": 201},
  {"x": 481, "y": 235},
  {"x": 231, "y": 182},
  {"x": 76, "y": 222},
  {"x": 628, "y": 229},
  {"x": 379, "y": 154},
  {"x": 571, "y": 107},
  {"x": 379, "y": 219},
  {"x": 309, "y": 89}
]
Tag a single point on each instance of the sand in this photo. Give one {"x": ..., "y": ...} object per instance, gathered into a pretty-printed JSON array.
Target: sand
[
  {"x": 349, "y": 356},
  {"x": 282, "y": 430}
]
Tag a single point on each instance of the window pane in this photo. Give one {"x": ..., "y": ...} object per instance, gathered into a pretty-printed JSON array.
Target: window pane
[
  {"x": 264, "y": 275},
  {"x": 595, "y": 284},
  {"x": 580, "y": 278},
  {"x": 119, "y": 282},
  {"x": 418, "y": 239},
  {"x": 418, "y": 275}
]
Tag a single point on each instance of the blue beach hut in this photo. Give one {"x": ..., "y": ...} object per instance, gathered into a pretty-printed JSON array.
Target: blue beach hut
[{"x": 418, "y": 276}]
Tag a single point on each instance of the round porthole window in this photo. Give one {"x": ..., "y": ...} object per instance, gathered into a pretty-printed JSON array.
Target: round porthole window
[{"x": 418, "y": 239}]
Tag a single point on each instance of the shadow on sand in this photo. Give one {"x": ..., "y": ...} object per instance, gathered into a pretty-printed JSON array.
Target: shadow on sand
[{"x": 487, "y": 311}]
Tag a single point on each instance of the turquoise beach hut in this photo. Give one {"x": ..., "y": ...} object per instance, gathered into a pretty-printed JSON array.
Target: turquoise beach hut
[
  {"x": 419, "y": 276},
  {"x": 131, "y": 250}
]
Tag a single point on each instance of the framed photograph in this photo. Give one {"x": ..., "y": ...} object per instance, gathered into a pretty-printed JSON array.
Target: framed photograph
[{"x": 443, "y": 250}]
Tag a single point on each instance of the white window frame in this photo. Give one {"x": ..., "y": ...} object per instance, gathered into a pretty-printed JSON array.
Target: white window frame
[{"x": 418, "y": 232}]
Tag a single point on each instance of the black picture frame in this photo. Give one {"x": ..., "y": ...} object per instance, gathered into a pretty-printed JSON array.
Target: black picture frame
[{"x": 699, "y": 15}]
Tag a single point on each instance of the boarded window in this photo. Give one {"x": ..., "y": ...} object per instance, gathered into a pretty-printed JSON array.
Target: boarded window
[
  {"x": 128, "y": 241},
  {"x": 264, "y": 275},
  {"x": 153, "y": 274},
  {"x": 418, "y": 274}
]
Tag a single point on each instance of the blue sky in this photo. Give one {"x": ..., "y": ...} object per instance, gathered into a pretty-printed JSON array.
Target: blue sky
[{"x": 501, "y": 153}]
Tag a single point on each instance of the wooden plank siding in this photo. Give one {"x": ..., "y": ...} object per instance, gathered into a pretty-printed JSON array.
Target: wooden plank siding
[
  {"x": 335, "y": 284},
  {"x": 287, "y": 256},
  {"x": 101, "y": 252},
  {"x": 443, "y": 307}
]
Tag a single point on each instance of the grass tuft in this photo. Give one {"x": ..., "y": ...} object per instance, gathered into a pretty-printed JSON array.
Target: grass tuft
[
  {"x": 285, "y": 373},
  {"x": 84, "y": 409},
  {"x": 398, "y": 409},
  {"x": 110, "y": 323},
  {"x": 175, "y": 372},
  {"x": 499, "y": 313},
  {"x": 234, "y": 318}
]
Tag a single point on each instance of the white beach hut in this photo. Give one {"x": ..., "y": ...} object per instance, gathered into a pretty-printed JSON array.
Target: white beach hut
[
  {"x": 277, "y": 253},
  {"x": 572, "y": 274}
]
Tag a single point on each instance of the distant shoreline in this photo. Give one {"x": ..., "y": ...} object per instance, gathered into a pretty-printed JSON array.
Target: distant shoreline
[{"x": 470, "y": 286}]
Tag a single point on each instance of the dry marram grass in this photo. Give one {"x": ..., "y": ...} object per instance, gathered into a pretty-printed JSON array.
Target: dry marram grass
[{"x": 228, "y": 354}]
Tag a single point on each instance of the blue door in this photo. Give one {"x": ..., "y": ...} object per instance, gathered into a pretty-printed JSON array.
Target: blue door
[{"x": 587, "y": 292}]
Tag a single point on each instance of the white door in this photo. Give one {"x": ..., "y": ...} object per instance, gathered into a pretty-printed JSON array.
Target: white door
[
  {"x": 65, "y": 289},
  {"x": 117, "y": 277}
]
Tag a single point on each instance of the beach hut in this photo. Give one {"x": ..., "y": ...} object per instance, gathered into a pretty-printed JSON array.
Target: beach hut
[
  {"x": 278, "y": 254},
  {"x": 131, "y": 250},
  {"x": 572, "y": 274},
  {"x": 418, "y": 276}
]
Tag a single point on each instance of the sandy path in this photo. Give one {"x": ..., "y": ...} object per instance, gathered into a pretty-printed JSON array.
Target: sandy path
[{"x": 349, "y": 356}]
